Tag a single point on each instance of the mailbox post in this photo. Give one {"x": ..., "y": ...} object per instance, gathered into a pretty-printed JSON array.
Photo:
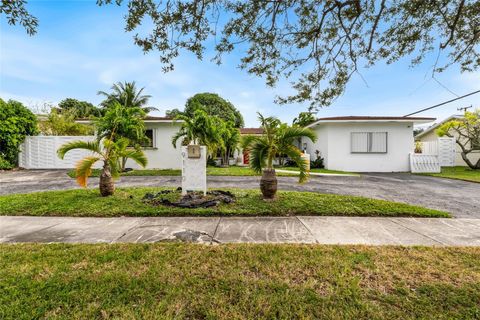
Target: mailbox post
[{"x": 194, "y": 168}]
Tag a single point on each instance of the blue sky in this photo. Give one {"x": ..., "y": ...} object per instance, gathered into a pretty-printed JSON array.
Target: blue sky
[{"x": 81, "y": 48}]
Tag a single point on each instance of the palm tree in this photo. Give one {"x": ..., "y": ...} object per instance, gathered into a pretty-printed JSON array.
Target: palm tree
[
  {"x": 275, "y": 141},
  {"x": 109, "y": 152},
  {"x": 127, "y": 95},
  {"x": 230, "y": 138},
  {"x": 199, "y": 129}
]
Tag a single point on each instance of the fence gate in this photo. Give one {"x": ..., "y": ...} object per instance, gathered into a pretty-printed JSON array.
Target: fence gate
[
  {"x": 446, "y": 152},
  {"x": 40, "y": 152}
]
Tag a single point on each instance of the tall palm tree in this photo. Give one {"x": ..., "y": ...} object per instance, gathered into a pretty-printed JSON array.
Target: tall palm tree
[
  {"x": 230, "y": 138},
  {"x": 109, "y": 152},
  {"x": 128, "y": 95},
  {"x": 263, "y": 149},
  {"x": 199, "y": 129}
]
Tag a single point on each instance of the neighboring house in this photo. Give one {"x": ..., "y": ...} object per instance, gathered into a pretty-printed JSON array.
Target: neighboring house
[
  {"x": 356, "y": 144},
  {"x": 364, "y": 143},
  {"x": 430, "y": 135},
  {"x": 160, "y": 152}
]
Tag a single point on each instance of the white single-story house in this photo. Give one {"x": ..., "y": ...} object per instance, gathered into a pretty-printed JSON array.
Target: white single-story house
[
  {"x": 430, "y": 135},
  {"x": 162, "y": 154},
  {"x": 364, "y": 143},
  {"x": 352, "y": 143}
]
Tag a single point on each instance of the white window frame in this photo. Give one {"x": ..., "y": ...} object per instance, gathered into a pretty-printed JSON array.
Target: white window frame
[
  {"x": 369, "y": 136},
  {"x": 154, "y": 139}
]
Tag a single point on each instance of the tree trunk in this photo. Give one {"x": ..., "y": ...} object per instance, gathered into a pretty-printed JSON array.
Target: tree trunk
[
  {"x": 107, "y": 188},
  {"x": 124, "y": 163},
  {"x": 268, "y": 184},
  {"x": 469, "y": 163}
]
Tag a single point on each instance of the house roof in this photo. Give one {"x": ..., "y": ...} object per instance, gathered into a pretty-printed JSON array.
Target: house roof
[
  {"x": 371, "y": 119},
  {"x": 436, "y": 125},
  {"x": 149, "y": 119},
  {"x": 251, "y": 130}
]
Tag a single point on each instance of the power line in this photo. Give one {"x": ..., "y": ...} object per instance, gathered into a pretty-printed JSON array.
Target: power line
[{"x": 441, "y": 104}]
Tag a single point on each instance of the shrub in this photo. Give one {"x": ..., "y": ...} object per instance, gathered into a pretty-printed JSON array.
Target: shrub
[
  {"x": 4, "y": 164},
  {"x": 63, "y": 124},
  {"x": 318, "y": 162},
  {"x": 16, "y": 122},
  {"x": 418, "y": 147}
]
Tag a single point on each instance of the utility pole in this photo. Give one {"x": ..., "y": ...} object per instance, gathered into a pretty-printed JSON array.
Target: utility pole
[{"x": 464, "y": 109}]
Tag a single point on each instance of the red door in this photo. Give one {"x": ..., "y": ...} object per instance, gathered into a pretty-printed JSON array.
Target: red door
[{"x": 245, "y": 157}]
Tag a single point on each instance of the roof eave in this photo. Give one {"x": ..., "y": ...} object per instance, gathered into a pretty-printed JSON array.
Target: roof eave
[{"x": 415, "y": 121}]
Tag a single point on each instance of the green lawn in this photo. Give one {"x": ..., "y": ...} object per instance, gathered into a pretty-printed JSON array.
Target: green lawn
[
  {"x": 128, "y": 202},
  {"x": 244, "y": 281},
  {"x": 211, "y": 171},
  {"x": 461, "y": 173}
]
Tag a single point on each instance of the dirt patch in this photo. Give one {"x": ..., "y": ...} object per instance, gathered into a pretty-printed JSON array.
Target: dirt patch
[{"x": 191, "y": 200}]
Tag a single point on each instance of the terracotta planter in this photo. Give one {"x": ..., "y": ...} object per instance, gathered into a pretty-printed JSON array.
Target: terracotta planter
[{"x": 268, "y": 184}]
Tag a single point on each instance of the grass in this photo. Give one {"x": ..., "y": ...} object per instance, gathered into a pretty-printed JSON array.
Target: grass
[
  {"x": 243, "y": 281},
  {"x": 211, "y": 171},
  {"x": 460, "y": 173},
  {"x": 128, "y": 202}
]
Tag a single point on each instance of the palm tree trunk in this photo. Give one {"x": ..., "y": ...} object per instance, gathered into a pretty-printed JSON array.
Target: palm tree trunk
[
  {"x": 124, "y": 163},
  {"x": 268, "y": 184},
  {"x": 107, "y": 188}
]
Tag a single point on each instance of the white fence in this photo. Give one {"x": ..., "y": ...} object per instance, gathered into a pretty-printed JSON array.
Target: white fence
[
  {"x": 444, "y": 148},
  {"x": 435, "y": 154},
  {"x": 425, "y": 163},
  {"x": 40, "y": 152}
]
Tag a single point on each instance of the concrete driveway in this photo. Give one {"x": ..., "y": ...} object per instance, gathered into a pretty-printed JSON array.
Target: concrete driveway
[{"x": 460, "y": 198}]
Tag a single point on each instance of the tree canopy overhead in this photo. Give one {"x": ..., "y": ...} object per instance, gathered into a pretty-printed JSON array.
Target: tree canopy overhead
[
  {"x": 213, "y": 105},
  {"x": 317, "y": 44}
]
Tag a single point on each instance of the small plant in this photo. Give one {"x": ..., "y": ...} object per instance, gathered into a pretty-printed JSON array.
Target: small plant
[
  {"x": 4, "y": 164},
  {"x": 275, "y": 140},
  {"x": 107, "y": 151},
  {"x": 418, "y": 147},
  {"x": 318, "y": 162}
]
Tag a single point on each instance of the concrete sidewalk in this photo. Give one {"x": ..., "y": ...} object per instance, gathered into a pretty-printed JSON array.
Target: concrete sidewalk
[{"x": 322, "y": 230}]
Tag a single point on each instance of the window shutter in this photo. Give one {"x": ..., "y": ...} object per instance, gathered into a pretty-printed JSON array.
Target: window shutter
[{"x": 369, "y": 142}]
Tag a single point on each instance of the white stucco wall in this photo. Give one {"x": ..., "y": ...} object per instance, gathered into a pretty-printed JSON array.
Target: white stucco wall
[
  {"x": 321, "y": 144},
  {"x": 334, "y": 142},
  {"x": 163, "y": 155}
]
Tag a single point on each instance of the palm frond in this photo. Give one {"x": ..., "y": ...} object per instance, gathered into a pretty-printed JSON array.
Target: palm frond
[
  {"x": 122, "y": 143},
  {"x": 93, "y": 146},
  {"x": 247, "y": 141},
  {"x": 258, "y": 152},
  {"x": 177, "y": 136},
  {"x": 296, "y": 155},
  {"x": 114, "y": 167},
  {"x": 291, "y": 133},
  {"x": 149, "y": 109},
  {"x": 138, "y": 156},
  {"x": 83, "y": 169}
]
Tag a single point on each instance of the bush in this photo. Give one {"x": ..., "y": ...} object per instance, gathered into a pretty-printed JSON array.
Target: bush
[
  {"x": 63, "y": 124},
  {"x": 16, "y": 122},
  {"x": 4, "y": 164},
  {"x": 290, "y": 163},
  {"x": 318, "y": 162},
  {"x": 211, "y": 162}
]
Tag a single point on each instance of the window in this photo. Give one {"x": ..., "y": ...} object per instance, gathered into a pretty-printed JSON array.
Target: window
[
  {"x": 369, "y": 142},
  {"x": 150, "y": 142}
]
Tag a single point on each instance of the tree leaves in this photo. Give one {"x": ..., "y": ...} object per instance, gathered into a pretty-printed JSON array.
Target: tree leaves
[{"x": 317, "y": 44}]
